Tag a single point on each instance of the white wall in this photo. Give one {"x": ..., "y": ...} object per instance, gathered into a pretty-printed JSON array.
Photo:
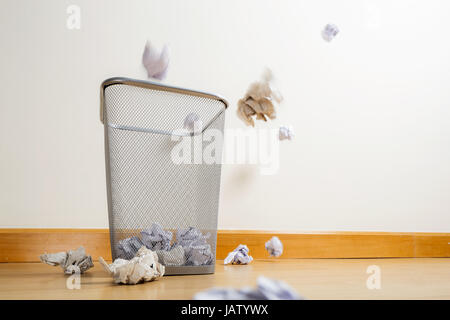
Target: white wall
[{"x": 371, "y": 109}]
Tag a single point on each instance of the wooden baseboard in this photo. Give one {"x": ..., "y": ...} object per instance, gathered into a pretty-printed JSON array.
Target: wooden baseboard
[{"x": 25, "y": 245}]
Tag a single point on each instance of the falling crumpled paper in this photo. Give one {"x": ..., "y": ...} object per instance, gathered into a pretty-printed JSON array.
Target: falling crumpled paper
[
  {"x": 143, "y": 267},
  {"x": 266, "y": 289},
  {"x": 155, "y": 62},
  {"x": 197, "y": 250},
  {"x": 71, "y": 261},
  {"x": 259, "y": 101},
  {"x": 285, "y": 133},
  {"x": 274, "y": 247},
  {"x": 239, "y": 256},
  {"x": 329, "y": 32},
  {"x": 156, "y": 238}
]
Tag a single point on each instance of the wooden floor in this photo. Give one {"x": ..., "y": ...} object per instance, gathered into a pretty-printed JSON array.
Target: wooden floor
[{"x": 420, "y": 278}]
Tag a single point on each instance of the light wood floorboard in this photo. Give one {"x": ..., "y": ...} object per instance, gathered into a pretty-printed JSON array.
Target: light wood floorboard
[{"x": 420, "y": 278}]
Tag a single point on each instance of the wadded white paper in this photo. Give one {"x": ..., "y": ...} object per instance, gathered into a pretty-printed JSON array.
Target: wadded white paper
[
  {"x": 156, "y": 62},
  {"x": 197, "y": 250},
  {"x": 266, "y": 289},
  {"x": 190, "y": 247},
  {"x": 239, "y": 256},
  {"x": 329, "y": 32},
  {"x": 142, "y": 268},
  {"x": 72, "y": 261},
  {"x": 156, "y": 238},
  {"x": 286, "y": 133},
  {"x": 274, "y": 247}
]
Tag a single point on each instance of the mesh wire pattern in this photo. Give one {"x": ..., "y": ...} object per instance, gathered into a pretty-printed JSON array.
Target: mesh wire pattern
[{"x": 170, "y": 208}]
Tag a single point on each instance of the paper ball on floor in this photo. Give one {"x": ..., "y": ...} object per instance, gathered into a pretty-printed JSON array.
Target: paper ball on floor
[{"x": 275, "y": 247}]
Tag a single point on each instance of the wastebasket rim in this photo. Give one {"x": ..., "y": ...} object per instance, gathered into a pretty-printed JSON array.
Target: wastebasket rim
[{"x": 153, "y": 85}]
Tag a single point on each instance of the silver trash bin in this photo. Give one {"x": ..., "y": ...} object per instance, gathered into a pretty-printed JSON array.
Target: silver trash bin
[{"x": 168, "y": 206}]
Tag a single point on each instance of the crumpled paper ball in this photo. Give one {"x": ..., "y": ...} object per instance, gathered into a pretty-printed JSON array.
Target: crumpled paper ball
[
  {"x": 189, "y": 235},
  {"x": 329, "y": 32},
  {"x": 285, "y": 133},
  {"x": 197, "y": 250},
  {"x": 156, "y": 238},
  {"x": 267, "y": 289},
  {"x": 189, "y": 248},
  {"x": 142, "y": 268},
  {"x": 72, "y": 261},
  {"x": 156, "y": 62},
  {"x": 128, "y": 247},
  {"x": 239, "y": 256},
  {"x": 274, "y": 246},
  {"x": 258, "y": 101}
]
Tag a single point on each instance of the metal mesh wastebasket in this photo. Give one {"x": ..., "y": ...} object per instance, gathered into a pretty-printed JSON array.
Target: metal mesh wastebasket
[{"x": 162, "y": 187}]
